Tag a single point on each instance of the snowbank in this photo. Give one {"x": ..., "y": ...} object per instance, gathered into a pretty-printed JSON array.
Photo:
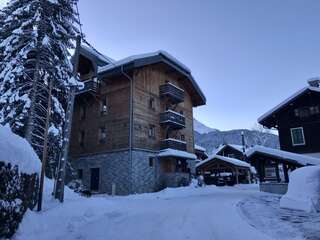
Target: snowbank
[
  {"x": 17, "y": 151},
  {"x": 303, "y": 190}
]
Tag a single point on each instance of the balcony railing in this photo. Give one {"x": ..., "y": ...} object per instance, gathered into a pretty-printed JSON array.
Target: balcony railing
[
  {"x": 170, "y": 90},
  {"x": 173, "y": 119},
  {"x": 173, "y": 144},
  {"x": 89, "y": 86}
]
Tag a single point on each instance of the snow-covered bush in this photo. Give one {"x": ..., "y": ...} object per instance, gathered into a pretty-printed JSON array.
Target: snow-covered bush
[
  {"x": 19, "y": 168},
  {"x": 303, "y": 190}
]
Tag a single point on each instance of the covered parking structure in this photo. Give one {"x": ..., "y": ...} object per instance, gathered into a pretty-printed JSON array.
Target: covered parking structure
[{"x": 217, "y": 166}]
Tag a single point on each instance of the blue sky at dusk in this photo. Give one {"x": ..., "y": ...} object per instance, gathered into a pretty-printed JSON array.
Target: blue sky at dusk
[{"x": 246, "y": 55}]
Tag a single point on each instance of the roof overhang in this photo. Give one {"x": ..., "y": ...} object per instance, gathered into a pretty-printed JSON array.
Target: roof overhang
[
  {"x": 176, "y": 153},
  {"x": 269, "y": 118},
  {"x": 137, "y": 61}
]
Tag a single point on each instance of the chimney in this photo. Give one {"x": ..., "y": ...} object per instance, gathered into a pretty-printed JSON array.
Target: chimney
[{"x": 314, "y": 82}]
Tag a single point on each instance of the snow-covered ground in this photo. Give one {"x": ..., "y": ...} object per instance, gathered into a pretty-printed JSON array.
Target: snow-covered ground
[{"x": 208, "y": 213}]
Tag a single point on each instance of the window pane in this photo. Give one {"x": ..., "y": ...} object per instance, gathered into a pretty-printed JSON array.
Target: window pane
[{"x": 297, "y": 136}]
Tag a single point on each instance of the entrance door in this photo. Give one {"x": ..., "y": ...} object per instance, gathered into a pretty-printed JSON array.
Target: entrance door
[{"x": 95, "y": 179}]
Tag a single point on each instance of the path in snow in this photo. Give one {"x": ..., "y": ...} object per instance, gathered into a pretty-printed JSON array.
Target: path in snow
[
  {"x": 286, "y": 224},
  {"x": 209, "y": 213}
]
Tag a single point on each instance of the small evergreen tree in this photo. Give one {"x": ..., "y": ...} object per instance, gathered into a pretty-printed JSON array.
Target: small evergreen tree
[{"x": 35, "y": 39}]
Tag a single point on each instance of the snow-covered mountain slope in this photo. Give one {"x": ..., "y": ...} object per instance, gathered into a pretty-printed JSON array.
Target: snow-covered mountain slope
[
  {"x": 201, "y": 128},
  {"x": 212, "y": 139}
]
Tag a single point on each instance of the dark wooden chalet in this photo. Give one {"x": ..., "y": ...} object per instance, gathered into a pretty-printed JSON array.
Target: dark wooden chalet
[
  {"x": 297, "y": 120},
  {"x": 274, "y": 165},
  {"x": 200, "y": 152},
  {"x": 231, "y": 151}
]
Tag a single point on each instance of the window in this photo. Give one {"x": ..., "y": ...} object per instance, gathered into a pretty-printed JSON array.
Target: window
[
  {"x": 305, "y": 112},
  {"x": 104, "y": 106},
  {"x": 83, "y": 112},
  {"x": 81, "y": 138},
  {"x": 151, "y": 161},
  {"x": 152, "y": 103},
  {"x": 102, "y": 134},
  {"x": 182, "y": 137},
  {"x": 151, "y": 131},
  {"x": 80, "y": 173},
  {"x": 297, "y": 136}
]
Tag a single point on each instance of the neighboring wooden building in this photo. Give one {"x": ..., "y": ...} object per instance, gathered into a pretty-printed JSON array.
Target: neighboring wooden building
[
  {"x": 231, "y": 151},
  {"x": 200, "y": 152},
  {"x": 132, "y": 128},
  {"x": 297, "y": 120},
  {"x": 274, "y": 165}
]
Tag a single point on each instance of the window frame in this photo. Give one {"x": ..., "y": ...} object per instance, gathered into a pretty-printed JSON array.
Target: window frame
[
  {"x": 303, "y": 138},
  {"x": 152, "y": 130},
  {"x": 104, "y": 110},
  {"x": 100, "y": 134}
]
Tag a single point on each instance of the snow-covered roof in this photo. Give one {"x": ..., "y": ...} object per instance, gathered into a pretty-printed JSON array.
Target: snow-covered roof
[
  {"x": 18, "y": 152},
  {"x": 101, "y": 57},
  {"x": 142, "y": 56},
  {"x": 197, "y": 147},
  {"x": 288, "y": 156},
  {"x": 234, "y": 146},
  {"x": 287, "y": 101},
  {"x": 152, "y": 58},
  {"x": 233, "y": 161},
  {"x": 169, "y": 152}
]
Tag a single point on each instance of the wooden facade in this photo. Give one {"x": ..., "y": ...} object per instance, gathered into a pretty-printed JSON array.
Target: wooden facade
[
  {"x": 300, "y": 112},
  {"x": 231, "y": 151},
  {"x": 106, "y": 108}
]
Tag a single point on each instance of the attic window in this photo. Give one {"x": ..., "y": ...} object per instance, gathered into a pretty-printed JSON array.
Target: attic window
[{"x": 297, "y": 136}]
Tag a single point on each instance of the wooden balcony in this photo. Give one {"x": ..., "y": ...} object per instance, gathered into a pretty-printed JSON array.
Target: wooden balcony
[
  {"x": 171, "y": 91},
  {"x": 172, "y": 119},
  {"x": 173, "y": 144},
  {"x": 90, "y": 85}
]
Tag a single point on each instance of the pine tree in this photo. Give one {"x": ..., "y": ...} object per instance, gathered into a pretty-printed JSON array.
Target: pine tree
[{"x": 36, "y": 32}]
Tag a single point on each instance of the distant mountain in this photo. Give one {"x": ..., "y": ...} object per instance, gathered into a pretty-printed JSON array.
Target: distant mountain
[
  {"x": 211, "y": 139},
  {"x": 201, "y": 128}
]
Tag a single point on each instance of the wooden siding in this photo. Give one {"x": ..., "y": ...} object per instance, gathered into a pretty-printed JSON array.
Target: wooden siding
[
  {"x": 116, "y": 121},
  {"x": 147, "y": 81},
  {"x": 286, "y": 120}
]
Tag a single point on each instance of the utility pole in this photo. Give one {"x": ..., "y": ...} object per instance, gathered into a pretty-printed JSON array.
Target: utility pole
[
  {"x": 45, "y": 148},
  {"x": 60, "y": 178}
]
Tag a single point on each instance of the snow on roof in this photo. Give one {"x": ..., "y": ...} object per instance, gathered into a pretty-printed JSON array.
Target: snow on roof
[
  {"x": 299, "y": 158},
  {"x": 97, "y": 54},
  {"x": 286, "y": 101},
  {"x": 18, "y": 152},
  {"x": 197, "y": 147},
  {"x": 234, "y": 146},
  {"x": 233, "y": 161},
  {"x": 141, "y": 56},
  {"x": 169, "y": 152}
]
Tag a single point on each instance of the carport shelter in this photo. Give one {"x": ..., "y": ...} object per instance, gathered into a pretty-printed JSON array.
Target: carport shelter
[{"x": 217, "y": 164}]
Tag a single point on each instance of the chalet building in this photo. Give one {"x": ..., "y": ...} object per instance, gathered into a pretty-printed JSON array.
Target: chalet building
[
  {"x": 297, "y": 120},
  {"x": 200, "y": 152},
  {"x": 132, "y": 129},
  {"x": 275, "y": 165},
  {"x": 231, "y": 151}
]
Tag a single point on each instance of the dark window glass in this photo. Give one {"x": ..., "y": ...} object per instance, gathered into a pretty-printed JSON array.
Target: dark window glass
[
  {"x": 102, "y": 134},
  {"x": 81, "y": 138},
  {"x": 80, "y": 173},
  {"x": 152, "y": 131},
  {"x": 152, "y": 103},
  {"x": 297, "y": 136},
  {"x": 151, "y": 161},
  {"x": 83, "y": 112}
]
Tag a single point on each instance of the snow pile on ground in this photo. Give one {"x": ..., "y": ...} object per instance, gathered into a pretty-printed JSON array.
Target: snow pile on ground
[
  {"x": 18, "y": 152},
  {"x": 303, "y": 190}
]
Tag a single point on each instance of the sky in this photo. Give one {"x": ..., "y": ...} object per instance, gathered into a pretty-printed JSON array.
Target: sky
[{"x": 246, "y": 55}]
